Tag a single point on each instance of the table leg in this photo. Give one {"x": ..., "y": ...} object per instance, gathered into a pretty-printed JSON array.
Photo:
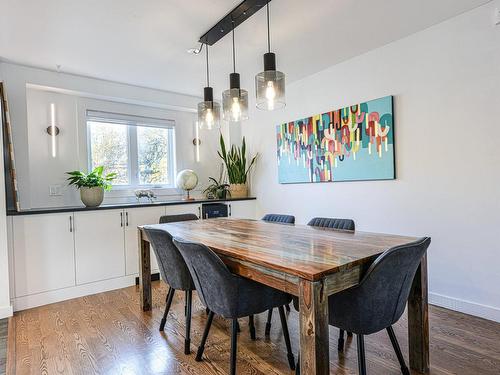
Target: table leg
[
  {"x": 313, "y": 321},
  {"x": 144, "y": 272},
  {"x": 418, "y": 320}
]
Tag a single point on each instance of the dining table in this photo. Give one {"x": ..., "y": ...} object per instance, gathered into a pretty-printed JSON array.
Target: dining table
[{"x": 308, "y": 262}]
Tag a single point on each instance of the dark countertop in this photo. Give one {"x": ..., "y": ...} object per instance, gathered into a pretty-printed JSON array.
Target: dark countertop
[{"x": 35, "y": 211}]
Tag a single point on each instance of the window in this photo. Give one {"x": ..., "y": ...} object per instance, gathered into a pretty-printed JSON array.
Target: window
[{"x": 139, "y": 149}]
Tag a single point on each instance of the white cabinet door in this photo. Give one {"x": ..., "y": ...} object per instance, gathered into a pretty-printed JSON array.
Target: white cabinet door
[
  {"x": 133, "y": 218},
  {"x": 191, "y": 208},
  {"x": 44, "y": 256},
  {"x": 242, "y": 209},
  {"x": 99, "y": 245}
]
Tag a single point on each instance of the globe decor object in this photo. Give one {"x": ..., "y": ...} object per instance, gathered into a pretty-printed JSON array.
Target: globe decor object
[{"x": 187, "y": 180}]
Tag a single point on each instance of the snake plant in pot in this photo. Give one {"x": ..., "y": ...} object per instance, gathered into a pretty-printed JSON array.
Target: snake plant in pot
[
  {"x": 237, "y": 167},
  {"x": 91, "y": 185}
]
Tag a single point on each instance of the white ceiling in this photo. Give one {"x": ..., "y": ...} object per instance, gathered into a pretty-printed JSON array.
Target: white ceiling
[{"x": 144, "y": 42}]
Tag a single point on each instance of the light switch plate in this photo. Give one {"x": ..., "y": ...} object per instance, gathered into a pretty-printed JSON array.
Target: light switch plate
[{"x": 55, "y": 190}]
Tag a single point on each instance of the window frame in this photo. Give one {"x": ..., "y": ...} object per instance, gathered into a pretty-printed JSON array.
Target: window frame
[{"x": 133, "y": 154}]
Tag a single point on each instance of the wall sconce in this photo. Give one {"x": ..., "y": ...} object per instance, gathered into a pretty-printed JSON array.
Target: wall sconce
[
  {"x": 53, "y": 130},
  {"x": 197, "y": 141}
]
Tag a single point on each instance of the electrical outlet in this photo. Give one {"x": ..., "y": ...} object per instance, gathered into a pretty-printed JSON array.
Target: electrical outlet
[{"x": 55, "y": 190}]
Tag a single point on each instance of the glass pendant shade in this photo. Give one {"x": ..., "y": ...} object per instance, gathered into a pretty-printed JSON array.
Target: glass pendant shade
[
  {"x": 270, "y": 85},
  {"x": 235, "y": 101},
  {"x": 208, "y": 111}
]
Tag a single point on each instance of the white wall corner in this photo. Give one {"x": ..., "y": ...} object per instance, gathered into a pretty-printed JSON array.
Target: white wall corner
[{"x": 466, "y": 307}]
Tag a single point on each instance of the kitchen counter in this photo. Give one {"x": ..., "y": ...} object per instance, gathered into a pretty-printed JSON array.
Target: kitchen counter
[{"x": 35, "y": 211}]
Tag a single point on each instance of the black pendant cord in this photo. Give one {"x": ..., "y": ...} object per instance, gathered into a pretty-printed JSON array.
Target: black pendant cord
[
  {"x": 234, "y": 62},
  {"x": 268, "y": 32},
  {"x": 234, "y": 54},
  {"x": 208, "y": 72}
]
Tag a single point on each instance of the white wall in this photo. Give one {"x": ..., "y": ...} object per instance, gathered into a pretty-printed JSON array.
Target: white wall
[
  {"x": 446, "y": 83},
  {"x": 5, "y": 306},
  {"x": 30, "y": 92}
]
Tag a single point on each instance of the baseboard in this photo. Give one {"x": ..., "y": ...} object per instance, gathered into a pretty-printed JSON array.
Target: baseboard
[
  {"x": 45, "y": 298},
  {"x": 467, "y": 307},
  {"x": 154, "y": 277},
  {"x": 6, "y": 311}
]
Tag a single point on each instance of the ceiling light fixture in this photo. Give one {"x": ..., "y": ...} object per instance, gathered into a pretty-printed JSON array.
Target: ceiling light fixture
[
  {"x": 235, "y": 99},
  {"x": 208, "y": 110},
  {"x": 270, "y": 84}
]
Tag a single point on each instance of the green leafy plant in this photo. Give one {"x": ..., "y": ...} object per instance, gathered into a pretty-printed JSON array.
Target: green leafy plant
[
  {"x": 217, "y": 188},
  {"x": 93, "y": 179},
  {"x": 236, "y": 162}
]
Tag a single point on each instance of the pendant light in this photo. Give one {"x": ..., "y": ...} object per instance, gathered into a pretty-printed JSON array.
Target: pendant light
[
  {"x": 208, "y": 110},
  {"x": 235, "y": 100},
  {"x": 270, "y": 84}
]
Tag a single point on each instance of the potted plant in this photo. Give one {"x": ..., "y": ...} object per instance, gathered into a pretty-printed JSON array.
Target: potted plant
[
  {"x": 217, "y": 189},
  {"x": 91, "y": 185},
  {"x": 237, "y": 168}
]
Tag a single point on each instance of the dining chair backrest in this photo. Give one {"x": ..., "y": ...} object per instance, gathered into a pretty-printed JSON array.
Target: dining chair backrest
[
  {"x": 278, "y": 218},
  {"x": 173, "y": 218},
  {"x": 172, "y": 267},
  {"x": 216, "y": 285},
  {"x": 333, "y": 223},
  {"x": 379, "y": 300}
]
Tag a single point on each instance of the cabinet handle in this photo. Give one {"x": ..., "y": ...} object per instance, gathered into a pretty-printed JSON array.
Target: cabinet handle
[
  {"x": 126, "y": 218},
  {"x": 199, "y": 212},
  {"x": 71, "y": 224},
  {"x": 229, "y": 210},
  {"x": 121, "y": 219}
]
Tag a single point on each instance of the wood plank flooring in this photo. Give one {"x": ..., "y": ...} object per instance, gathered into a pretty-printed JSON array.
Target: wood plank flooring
[
  {"x": 3, "y": 345},
  {"x": 107, "y": 333}
]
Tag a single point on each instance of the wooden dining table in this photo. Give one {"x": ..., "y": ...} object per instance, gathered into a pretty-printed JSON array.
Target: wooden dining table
[{"x": 308, "y": 262}]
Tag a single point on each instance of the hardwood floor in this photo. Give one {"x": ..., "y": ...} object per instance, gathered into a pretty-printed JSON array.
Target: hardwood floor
[
  {"x": 107, "y": 333},
  {"x": 3, "y": 345}
]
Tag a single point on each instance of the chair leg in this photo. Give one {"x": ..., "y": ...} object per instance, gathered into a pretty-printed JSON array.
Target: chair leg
[
  {"x": 187, "y": 340},
  {"x": 252, "y": 327},
  {"x": 361, "y": 355},
  {"x": 234, "y": 349},
  {"x": 397, "y": 349},
  {"x": 287, "y": 306},
  {"x": 170, "y": 296},
  {"x": 238, "y": 326},
  {"x": 268, "y": 324},
  {"x": 340, "y": 347},
  {"x": 207, "y": 311},
  {"x": 201, "y": 348},
  {"x": 284, "y": 325}
]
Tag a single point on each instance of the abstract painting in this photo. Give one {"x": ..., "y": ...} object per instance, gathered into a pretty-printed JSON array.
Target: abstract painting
[{"x": 349, "y": 144}]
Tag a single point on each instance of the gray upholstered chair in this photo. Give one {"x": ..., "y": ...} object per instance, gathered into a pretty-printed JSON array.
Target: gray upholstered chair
[
  {"x": 281, "y": 219},
  {"x": 173, "y": 269},
  {"x": 335, "y": 224},
  {"x": 379, "y": 300},
  {"x": 229, "y": 295},
  {"x": 278, "y": 218}
]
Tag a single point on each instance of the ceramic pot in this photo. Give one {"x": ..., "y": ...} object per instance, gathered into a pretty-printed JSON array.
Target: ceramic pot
[
  {"x": 92, "y": 196},
  {"x": 238, "y": 190}
]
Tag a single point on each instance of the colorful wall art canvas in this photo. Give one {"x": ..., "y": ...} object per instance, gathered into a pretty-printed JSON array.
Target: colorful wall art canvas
[{"x": 349, "y": 144}]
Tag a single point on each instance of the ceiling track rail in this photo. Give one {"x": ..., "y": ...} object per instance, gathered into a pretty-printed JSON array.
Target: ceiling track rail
[{"x": 233, "y": 19}]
